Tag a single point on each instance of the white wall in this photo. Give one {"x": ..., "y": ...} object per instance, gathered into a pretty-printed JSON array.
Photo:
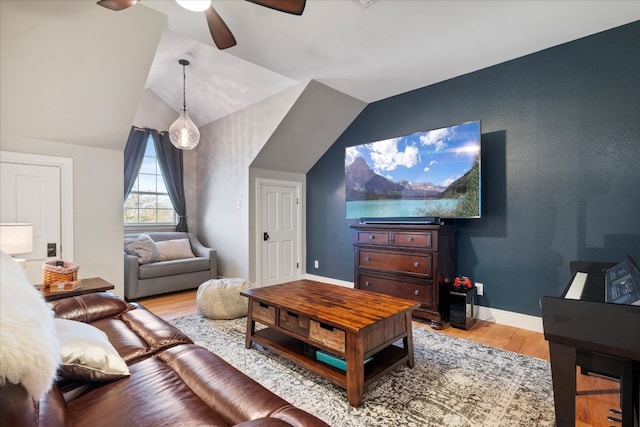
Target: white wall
[
  {"x": 98, "y": 180},
  {"x": 153, "y": 112},
  {"x": 72, "y": 71},
  {"x": 227, "y": 148}
]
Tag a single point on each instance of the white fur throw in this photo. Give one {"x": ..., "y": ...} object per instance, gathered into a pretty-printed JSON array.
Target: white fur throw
[{"x": 29, "y": 347}]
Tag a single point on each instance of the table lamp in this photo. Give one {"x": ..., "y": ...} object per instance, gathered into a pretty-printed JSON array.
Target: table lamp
[{"x": 16, "y": 238}]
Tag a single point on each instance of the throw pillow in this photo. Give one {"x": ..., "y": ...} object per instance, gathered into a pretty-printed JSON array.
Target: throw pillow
[
  {"x": 144, "y": 248},
  {"x": 174, "y": 249},
  {"x": 29, "y": 348},
  {"x": 87, "y": 354}
]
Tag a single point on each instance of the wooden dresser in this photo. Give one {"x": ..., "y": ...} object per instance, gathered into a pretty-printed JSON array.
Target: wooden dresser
[{"x": 411, "y": 261}]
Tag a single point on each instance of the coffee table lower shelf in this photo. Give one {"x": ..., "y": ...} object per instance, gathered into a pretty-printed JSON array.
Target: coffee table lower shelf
[{"x": 292, "y": 349}]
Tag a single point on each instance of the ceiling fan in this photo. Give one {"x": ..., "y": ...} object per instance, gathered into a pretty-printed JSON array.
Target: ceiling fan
[{"x": 221, "y": 34}]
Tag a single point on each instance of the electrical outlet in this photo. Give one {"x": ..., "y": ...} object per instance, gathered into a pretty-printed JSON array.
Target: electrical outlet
[
  {"x": 480, "y": 288},
  {"x": 316, "y": 264}
]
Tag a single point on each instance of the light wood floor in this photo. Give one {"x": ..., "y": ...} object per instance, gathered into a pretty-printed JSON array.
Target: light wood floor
[{"x": 595, "y": 395}]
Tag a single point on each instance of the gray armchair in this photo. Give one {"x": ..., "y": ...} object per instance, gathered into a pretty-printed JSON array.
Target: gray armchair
[{"x": 141, "y": 280}]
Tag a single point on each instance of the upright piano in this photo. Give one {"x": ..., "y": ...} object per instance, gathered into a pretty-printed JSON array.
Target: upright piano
[{"x": 604, "y": 338}]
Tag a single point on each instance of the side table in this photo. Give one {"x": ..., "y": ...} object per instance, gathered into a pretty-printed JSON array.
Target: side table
[
  {"x": 462, "y": 308},
  {"x": 87, "y": 286}
]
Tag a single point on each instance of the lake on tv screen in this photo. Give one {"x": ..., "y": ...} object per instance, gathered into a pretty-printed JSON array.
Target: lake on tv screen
[{"x": 400, "y": 208}]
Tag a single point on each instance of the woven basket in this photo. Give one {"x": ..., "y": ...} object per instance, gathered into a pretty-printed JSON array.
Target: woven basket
[{"x": 53, "y": 273}]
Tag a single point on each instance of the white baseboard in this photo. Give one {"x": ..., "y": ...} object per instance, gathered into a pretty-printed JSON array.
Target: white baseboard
[
  {"x": 495, "y": 315},
  {"x": 328, "y": 280},
  {"x": 510, "y": 318}
]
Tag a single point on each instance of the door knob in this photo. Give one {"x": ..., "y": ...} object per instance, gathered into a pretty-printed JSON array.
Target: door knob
[{"x": 265, "y": 236}]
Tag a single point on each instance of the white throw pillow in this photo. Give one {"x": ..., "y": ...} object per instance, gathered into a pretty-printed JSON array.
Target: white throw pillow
[
  {"x": 87, "y": 354},
  {"x": 144, "y": 248},
  {"x": 174, "y": 249},
  {"x": 29, "y": 347}
]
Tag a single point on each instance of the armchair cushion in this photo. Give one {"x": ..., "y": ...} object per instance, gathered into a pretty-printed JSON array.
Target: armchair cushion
[
  {"x": 173, "y": 267},
  {"x": 174, "y": 249}
]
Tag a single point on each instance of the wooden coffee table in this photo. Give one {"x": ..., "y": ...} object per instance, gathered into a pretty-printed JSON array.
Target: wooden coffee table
[{"x": 348, "y": 323}]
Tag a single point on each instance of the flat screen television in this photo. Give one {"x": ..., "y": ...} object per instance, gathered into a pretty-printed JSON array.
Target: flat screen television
[{"x": 416, "y": 177}]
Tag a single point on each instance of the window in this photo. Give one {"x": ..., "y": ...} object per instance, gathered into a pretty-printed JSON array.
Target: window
[{"x": 149, "y": 202}]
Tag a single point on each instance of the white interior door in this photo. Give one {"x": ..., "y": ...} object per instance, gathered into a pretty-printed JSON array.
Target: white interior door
[
  {"x": 32, "y": 193},
  {"x": 279, "y": 233}
]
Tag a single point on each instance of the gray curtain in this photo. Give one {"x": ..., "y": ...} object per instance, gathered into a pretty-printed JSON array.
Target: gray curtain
[
  {"x": 170, "y": 160},
  {"x": 133, "y": 156}
]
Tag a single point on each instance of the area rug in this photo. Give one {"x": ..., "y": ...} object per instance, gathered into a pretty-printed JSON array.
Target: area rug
[{"x": 454, "y": 382}]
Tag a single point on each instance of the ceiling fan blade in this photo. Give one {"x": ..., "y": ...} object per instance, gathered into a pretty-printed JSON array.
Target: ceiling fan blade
[
  {"x": 220, "y": 33},
  {"x": 117, "y": 4},
  {"x": 295, "y": 7}
]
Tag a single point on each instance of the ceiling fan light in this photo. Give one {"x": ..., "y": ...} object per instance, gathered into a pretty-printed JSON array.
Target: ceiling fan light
[
  {"x": 195, "y": 5},
  {"x": 183, "y": 133}
]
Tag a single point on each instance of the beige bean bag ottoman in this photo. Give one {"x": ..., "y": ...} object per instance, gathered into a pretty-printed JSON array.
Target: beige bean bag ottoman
[{"x": 221, "y": 299}]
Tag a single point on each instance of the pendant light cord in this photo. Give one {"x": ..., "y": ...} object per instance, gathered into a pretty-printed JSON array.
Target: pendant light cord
[
  {"x": 184, "y": 88},
  {"x": 184, "y": 64}
]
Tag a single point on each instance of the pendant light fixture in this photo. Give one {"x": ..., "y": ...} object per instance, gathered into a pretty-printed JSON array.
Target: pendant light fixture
[{"x": 183, "y": 133}]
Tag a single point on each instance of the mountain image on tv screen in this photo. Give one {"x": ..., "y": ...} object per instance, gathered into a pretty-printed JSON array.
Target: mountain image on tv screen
[{"x": 434, "y": 173}]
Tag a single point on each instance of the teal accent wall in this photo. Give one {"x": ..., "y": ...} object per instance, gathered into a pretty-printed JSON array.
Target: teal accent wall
[{"x": 560, "y": 167}]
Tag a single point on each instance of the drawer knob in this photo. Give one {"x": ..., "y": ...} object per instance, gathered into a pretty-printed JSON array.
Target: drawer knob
[
  {"x": 416, "y": 264},
  {"x": 367, "y": 283},
  {"x": 367, "y": 258},
  {"x": 416, "y": 292},
  {"x": 371, "y": 237},
  {"x": 410, "y": 239}
]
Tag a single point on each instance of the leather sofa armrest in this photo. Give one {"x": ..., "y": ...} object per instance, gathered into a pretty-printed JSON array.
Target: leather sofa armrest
[
  {"x": 297, "y": 417},
  {"x": 53, "y": 411},
  {"x": 131, "y": 264},
  {"x": 16, "y": 406},
  {"x": 225, "y": 388},
  {"x": 89, "y": 307},
  {"x": 264, "y": 422}
]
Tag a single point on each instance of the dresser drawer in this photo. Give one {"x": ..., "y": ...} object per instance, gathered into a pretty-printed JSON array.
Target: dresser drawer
[
  {"x": 372, "y": 237},
  {"x": 397, "y": 261},
  {"x": 263, "y": 313},
  {"x": 414, "y": 291},
  {"x": 326, "y": 335},
  {"x": 424, "y": 240},
  {"x": 293, "y": 322}
]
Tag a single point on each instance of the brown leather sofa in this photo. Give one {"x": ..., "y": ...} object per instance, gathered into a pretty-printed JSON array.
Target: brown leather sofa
[{"x": 173, "y": 382}]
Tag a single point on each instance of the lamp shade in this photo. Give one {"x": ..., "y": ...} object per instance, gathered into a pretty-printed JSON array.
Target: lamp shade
[
  {"x": 183, "y": 133},
  {"x": 16, "y": 238}
]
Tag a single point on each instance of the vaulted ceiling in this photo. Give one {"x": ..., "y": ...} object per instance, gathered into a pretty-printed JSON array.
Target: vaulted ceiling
[{"x": 72, "y": 71}]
